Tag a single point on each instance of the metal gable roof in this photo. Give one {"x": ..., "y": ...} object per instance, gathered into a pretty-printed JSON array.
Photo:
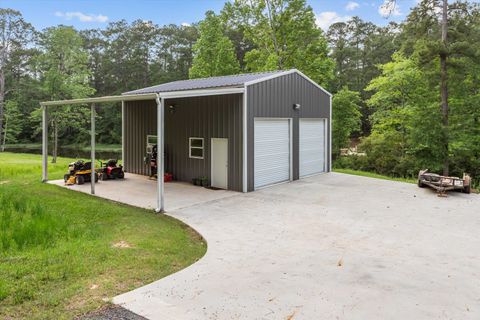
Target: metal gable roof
[{"x": 206, "y": 83}]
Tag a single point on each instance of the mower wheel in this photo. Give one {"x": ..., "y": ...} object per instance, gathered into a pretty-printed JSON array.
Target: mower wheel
[
  {"x": 420, "y": 184},
  {"x": 121, "y": 175},
  {"x": 66, "y": 177},
  {"x": 467, "y": 189},
  {"x": 103, "y": 176},
  {"x": 80, "y": 179}
]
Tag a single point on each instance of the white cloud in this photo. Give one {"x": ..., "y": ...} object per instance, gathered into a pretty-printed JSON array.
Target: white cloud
[
  {"x": 389, "y": 8},
  {"x": 82, "y": 16},
  {"x": 351, "y": 6},
  {"x": 186, "y": 24},
  {"x": 327, "y": 18}
]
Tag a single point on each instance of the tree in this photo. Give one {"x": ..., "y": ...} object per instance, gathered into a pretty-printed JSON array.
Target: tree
[
  {"x": 214, "y": 54},
  {"x": 13, "y": 123},
  {"x": 405, "y": 127},
  {"x": 65, "y": 76},
  {"x": 358, "y": 47},
  {"x": 15, "y": 34},
  {"x": 346, "y": 118},
  {"x": 284, "y": 35},
  {"x": 427, "y": 14}
]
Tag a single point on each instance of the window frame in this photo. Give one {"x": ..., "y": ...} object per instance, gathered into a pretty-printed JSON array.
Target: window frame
[{"x": 190, "y": 147}]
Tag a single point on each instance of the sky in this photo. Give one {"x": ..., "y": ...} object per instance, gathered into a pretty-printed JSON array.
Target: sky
[{"x": 87, "y": 14}]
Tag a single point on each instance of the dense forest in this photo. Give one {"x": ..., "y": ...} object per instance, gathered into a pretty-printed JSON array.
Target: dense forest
[{"x": 389, "y": 82}]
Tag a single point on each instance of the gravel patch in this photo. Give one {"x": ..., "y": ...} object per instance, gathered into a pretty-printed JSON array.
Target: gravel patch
[{"x": 112, "y": 313}]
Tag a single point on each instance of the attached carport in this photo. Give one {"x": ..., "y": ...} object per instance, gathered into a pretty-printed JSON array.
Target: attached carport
[{"x": 159, "y": 100}]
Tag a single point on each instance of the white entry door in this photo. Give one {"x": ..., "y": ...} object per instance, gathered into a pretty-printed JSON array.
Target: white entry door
[
  {"x": 219, "y": 163},
  {"x": 272, "y": 145},
  {"x": 312, "y": 146}
]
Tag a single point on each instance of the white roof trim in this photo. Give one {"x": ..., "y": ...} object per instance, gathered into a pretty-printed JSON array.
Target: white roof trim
[
  {"x": 130, "y": 97},
  {"x": 273, "y": 76},
  {"x": 280, "y": 74},
  {"x": 200, "y": 92},
  {"x": 146, "y": 96}
]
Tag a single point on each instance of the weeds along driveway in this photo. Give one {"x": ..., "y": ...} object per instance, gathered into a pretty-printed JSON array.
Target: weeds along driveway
[{"x": 332, "y": 246}]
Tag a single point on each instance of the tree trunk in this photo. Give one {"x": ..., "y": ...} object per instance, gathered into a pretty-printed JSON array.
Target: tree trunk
[
  {"x": 271, "y": 19},
  {"x": 55, "y": 141},
  {"x": 2, "y": 105},
  {"x": 444, "y": 88},
  {"x": 2, "y": 148}
]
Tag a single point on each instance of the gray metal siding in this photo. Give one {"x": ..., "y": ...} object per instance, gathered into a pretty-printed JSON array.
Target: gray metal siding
[
  {"x": 203, "y": 117},
  {"x": 140, "y": 121},
  {"x": 275, "y": 99}
]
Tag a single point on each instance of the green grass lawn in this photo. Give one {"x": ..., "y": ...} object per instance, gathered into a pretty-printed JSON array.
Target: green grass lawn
[
  {"x": 64, "y": 253},
  {"x": 373, "y": 175}
]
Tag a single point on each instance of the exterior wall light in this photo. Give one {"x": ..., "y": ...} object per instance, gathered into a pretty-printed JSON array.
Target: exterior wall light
[
  {"x": 296, "y": 106},
  {"x": 171, "y": 108}
]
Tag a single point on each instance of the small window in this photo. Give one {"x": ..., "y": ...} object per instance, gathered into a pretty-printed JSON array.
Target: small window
[{"x": 196, "y": 148}]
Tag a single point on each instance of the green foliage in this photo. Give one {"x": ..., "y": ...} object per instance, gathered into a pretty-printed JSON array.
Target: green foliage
[
  {"x": 15, "y": 37},
  {"x": 358, "y": 47},
  {"x": 12, "y": 122},
  {"x": 405, "y": 124},
  {"x": 65, "y": 64},
  {"x": 214, "y": 53},
  {"x": 346, "y": 118},
  {"x": 284, "y": 35},
  {"x": 66, "y": 76}
]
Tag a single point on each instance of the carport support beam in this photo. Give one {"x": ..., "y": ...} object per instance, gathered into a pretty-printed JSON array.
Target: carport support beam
[
  {"x": 160, "y": 154},
  {"x": 92, "y": 177},
  {"x": 44, "y": 143},
  {"x": 123, "y": 135}
]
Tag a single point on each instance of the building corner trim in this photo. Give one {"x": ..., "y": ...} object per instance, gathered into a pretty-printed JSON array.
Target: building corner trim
[{"x": 245, "y": 141}]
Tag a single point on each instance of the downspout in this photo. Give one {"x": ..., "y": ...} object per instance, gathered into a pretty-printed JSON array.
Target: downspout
[
  {"x": 330, "y": 138},
  {"x": 244, "y": 132},
  {"x": 160, "y": 154}
]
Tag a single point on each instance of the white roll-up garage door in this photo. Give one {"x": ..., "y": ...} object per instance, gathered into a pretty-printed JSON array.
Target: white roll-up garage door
[
  {"x": 312, "y": 146},
  {"x": 271, "y": 151}
]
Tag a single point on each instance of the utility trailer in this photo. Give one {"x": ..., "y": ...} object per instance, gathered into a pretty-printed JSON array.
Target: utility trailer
[{"x": 443, "y": 183}]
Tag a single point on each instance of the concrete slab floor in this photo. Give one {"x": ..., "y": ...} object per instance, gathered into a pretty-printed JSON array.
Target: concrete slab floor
[
  {"x": 139, "y": 191},
  {"x": 332, "y": 246}
]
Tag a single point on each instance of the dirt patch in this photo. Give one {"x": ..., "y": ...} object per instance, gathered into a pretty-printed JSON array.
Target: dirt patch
[
  {"x": 194, "y": 234},
  {"x": 122, "y": 244},
  {"x": 4, "y": 182}
]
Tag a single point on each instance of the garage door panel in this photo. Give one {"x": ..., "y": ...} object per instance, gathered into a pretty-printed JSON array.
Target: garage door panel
[
  {"x": 312, "y": 146},
  {"x": 266, "y": 162},
  {"x": 267, "y": 148},
  {"x": 271, "y": 151}
]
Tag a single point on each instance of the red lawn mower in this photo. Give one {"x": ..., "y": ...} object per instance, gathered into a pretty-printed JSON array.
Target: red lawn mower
[{"x": 111, "y": 170}]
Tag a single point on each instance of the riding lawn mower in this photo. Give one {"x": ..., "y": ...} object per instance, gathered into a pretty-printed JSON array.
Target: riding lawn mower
[
  {"x": 111, "y": 170},
  {"x": 79, "y": 172}
]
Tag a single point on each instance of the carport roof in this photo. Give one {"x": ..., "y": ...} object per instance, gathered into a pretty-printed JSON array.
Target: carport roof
[{"x": 207, "y": 83}]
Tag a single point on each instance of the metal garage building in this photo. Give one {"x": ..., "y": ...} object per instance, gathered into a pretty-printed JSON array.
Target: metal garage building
[{"x": 243, "y": 132}]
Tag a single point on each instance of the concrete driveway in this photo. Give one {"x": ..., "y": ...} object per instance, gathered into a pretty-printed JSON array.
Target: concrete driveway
[{"x": 332, "y": 246}]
